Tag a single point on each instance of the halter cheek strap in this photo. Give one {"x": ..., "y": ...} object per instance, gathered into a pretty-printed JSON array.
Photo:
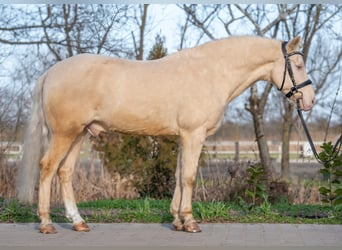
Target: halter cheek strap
[{"x": 288, "y": 69}]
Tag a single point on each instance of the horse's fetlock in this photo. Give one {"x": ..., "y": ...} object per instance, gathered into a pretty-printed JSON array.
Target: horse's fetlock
[
  {"x": 186, "y": 215},
  {"x": 43, "y": 214}
]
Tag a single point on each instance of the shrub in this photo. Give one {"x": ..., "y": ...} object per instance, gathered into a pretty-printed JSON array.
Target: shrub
[
  {"x": 332, "y": 172},
  {"x": 150, "y": 160}
]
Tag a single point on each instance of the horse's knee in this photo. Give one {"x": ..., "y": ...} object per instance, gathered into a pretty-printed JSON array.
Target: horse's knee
[{"x": 188, "y": 180}]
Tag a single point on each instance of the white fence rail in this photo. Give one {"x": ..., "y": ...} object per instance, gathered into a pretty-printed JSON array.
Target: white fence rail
[{"x": 300, "y": 148}]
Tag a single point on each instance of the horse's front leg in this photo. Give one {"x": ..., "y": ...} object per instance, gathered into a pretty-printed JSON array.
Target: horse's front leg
[
  {"x": 176, "y": 199},
  {"x": 191, "y": 149}
]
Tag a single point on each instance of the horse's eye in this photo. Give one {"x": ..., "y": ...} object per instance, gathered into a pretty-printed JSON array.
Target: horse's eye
[{"x": 299, "y": 67}]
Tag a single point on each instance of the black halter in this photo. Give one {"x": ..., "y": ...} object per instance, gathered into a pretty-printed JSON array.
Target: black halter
[{"x": 288, "y": 68}]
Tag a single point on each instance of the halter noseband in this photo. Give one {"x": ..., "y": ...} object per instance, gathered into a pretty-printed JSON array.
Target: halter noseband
[{"x": 288, "y": 68}]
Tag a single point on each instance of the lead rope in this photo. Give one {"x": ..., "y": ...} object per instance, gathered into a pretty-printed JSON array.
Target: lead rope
[{"x": 336, "y": 148}]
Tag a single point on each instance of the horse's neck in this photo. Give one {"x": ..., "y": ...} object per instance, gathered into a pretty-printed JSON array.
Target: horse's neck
[{"x": 243, "y": 61}]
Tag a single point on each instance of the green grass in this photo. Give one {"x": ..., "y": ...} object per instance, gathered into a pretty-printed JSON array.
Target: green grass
[
  {"x": 12, "y": 212},
  {"x": 157, "y": 211}
]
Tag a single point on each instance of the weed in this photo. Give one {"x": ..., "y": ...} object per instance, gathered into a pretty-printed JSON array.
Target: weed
[
  {"x": 212, "y": 211},
  {"x": 145, "y": 208},
  {"x": 256, "y": 181},
  {"x": 265, "y": 208},
  {"x": 332, "y": 172},
  {"x": 244, "y": 206}
]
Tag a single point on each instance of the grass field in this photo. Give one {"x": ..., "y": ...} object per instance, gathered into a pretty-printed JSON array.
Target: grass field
[{"x": 157, "y": 211}]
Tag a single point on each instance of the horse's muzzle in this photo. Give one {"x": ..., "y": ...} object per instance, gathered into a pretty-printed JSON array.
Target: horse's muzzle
[{"x": 304, "y": 104}]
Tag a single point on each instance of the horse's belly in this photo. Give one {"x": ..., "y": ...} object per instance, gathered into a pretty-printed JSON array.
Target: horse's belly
[
  {"x": 142, "y": 123},
  {"x": 142, "y": 128}
]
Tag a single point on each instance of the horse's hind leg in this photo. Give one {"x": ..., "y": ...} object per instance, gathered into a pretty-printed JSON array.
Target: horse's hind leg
[
  {"x": 65, "y": 175},
  {"x": 58, "y": 149}
]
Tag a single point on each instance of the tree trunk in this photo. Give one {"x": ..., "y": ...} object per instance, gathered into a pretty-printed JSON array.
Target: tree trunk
[
  {"x": 264, "y": 152},
  {"x": 142, "y": 27},
  {"x": 256, "y": 106}
]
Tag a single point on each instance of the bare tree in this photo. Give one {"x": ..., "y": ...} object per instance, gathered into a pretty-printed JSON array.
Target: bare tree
[{"x": 67, "y": 30}]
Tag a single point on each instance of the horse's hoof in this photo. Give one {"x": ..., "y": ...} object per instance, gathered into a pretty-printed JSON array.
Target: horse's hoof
[
  {"x": 192, "y": 227},
  {"x": 178, "y": 227},
  {"x": 47, "y": 229},
  {"x": 81, "y": 227}
]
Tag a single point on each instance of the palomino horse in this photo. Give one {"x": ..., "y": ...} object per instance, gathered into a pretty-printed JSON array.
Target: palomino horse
[{"x": 183, "y": 94}]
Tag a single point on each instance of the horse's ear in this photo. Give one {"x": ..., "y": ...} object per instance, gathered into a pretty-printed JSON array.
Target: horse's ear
[{"x": 295, "y": 44}]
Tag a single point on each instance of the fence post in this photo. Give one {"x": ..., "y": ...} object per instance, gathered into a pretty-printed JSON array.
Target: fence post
[{"x": 237, "y": 152}]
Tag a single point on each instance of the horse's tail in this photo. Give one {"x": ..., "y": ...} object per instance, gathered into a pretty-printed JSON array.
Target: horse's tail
[{"x": 35, "y": 142}]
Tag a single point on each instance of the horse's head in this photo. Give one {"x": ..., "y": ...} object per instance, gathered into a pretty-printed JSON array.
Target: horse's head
[{"x": 289, "y": 74}]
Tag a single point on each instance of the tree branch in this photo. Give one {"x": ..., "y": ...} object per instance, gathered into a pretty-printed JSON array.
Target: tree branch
[{"x": 195, "y": 21}]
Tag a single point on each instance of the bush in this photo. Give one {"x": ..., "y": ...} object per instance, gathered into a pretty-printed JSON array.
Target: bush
[
  {"x": 151, "y": 161},
  {"x": 332, "y": 173}
]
